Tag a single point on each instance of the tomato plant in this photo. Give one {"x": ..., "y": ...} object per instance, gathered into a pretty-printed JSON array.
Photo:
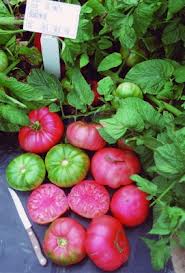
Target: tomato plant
[
  {"x": 46, "y": 203},
  {"x": 66, "y": 165},
  {"x": 130, "y": 205},
  {"x": 25, "y": 172},
  {"x": 106, "y": 243},
  {"x": 89, "y": 199},
  {"x": 85, "y": 135},
  {"x": 64, "y": 241},
  {"x": 45, "y": 130},
  {"x": 3, "y": 61},
  {"x": 113, "y": 167}
]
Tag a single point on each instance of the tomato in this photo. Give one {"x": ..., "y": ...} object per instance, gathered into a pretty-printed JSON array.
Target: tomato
[
  {"x": 113, "y": 167},
  {"x": 85, "y": 135},
  {"x": 46, "y": 203},
  {"x": 121, "y": 144},
  {"x": 89, "y": 199},
  {"x": 64, "y": 241},
  {"x": 94, "y": 86},
  {"x": 130, "y": 206},
  {"x": 25, "y": 172},
  {"x": 128, "y": 89},
  {"x": 132, "y": 56},
  {"x": 45, "y": 130},
  {"x": 3, "y": 61},
  {"x": 66, "y": 165},
  {"x": 36, "y": 41},
  {"x": 106, "y": 243}
]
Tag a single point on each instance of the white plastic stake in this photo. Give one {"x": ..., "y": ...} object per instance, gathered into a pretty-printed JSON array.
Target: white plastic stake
[
  {"x": 50, "y": 54},
  {"x": 51, "y": 18}
]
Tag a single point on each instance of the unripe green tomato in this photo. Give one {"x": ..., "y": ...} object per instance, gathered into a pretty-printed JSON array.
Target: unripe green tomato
[
  {"x": 132, "y": 56},
  {"x": 128, "y": 89},
  {"x": 133, "y": 59},
  {"x": 3, "y": 61}
]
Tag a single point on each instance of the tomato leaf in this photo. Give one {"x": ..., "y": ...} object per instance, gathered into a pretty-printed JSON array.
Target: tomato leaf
[
  {"x": 82, "y": 89},
  {"x": 84, "y": 60},
  {"x": 144, "y": 184},
  {"x": 150, "y": 75},
  {"x": 110, "y": 61},
  {"x": 179, "y": 74},
  {"x": 48, "y": 85},
  {"x": 159, "y": 252},
  {"x": 19, "y": 89},
  {"x": 13, "y": 115}
]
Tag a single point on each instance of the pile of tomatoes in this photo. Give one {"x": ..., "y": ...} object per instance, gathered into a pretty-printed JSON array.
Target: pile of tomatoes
[{"x": 67, "y": 165}]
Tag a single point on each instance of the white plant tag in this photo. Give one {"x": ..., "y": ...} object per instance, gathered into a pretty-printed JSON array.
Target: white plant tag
[
  {"x": 51, "y": 17},
  {"x": 50, "y": 54}
]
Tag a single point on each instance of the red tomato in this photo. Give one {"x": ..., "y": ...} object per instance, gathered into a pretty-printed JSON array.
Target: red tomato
[
  {"x": 36, "y": 41},
  {"x": 106, "y": 243},
  {"x": 46, "y": 203},
  {"x": 89, "y": 199},
  {"x": 113, "y": 167},
  {"x": 85, "y": 135},
  {"x": 64, "y": 241},
  {"x": 130, "y": 206},
  {"x": 45, "y": 130},
  {"x": 94, "y": 85}
]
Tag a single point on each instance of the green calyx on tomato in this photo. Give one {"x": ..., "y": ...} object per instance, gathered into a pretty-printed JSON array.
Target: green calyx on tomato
[
  {"x": 26, "y": 172},
  {"x": 62, "y": 242},
  {"x": 66, "y": 165},
  {"x": 3, "y": 61}
]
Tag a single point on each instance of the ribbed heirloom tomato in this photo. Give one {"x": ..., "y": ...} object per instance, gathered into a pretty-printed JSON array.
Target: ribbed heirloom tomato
[
  {"x": 45, "y": 130},
  {"x": 130, "y": 205},
  {"x": 106, "y": 243},
  {"x": 85, "y": 135},
  {"x": 25, "y": 172},
  {"x": 66, "y": 165},
  {"x": 89, "y": 199},
  {"x": 64, "y": 241},
  {"x": 46, "y": 203},
  {"x": 113, "y": 167}
]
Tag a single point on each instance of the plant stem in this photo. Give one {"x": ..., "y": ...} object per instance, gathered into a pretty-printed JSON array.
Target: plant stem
[
  {"x": 10, "y": 21},
  {"x": 93, "y": 112},
  {"x": 11, "y": 66},
  {"x": 164, "y": 193},
  {"x": 165, "y": 105}
]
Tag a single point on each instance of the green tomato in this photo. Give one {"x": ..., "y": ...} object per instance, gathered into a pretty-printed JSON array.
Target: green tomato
[
  {"x": 128, "y": 89},
  {"x": 132, "y": 56},
  {"x": 26, "y": 172},
  {"x": 3, "y": 61},
  {"x": 66, "y": 165}
]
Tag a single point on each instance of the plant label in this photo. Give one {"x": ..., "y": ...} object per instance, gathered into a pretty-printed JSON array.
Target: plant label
[{"x": 51, "y": 17}]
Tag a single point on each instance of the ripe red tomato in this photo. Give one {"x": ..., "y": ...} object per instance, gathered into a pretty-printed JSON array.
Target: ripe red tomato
[
  {"x": 64, "y": 241},
  {"x": 46, "y": 203},
  {"x": 45, "y": 130},
  {"x": 89, "y": 199},
  {"x": 130, "y": 206},
  {"x": 106, "y": 243},
  {"x": 94, "y": 85},
  {"x": 36, "y": 41},
  {"x": 113, "y": 167},
  {"x": 85, "y": 135}
]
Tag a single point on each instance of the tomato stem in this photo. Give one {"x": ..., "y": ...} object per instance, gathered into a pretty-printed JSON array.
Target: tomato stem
[
  {"x": 36, "y": 126},
  {"x": 62, "y": 242}
]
